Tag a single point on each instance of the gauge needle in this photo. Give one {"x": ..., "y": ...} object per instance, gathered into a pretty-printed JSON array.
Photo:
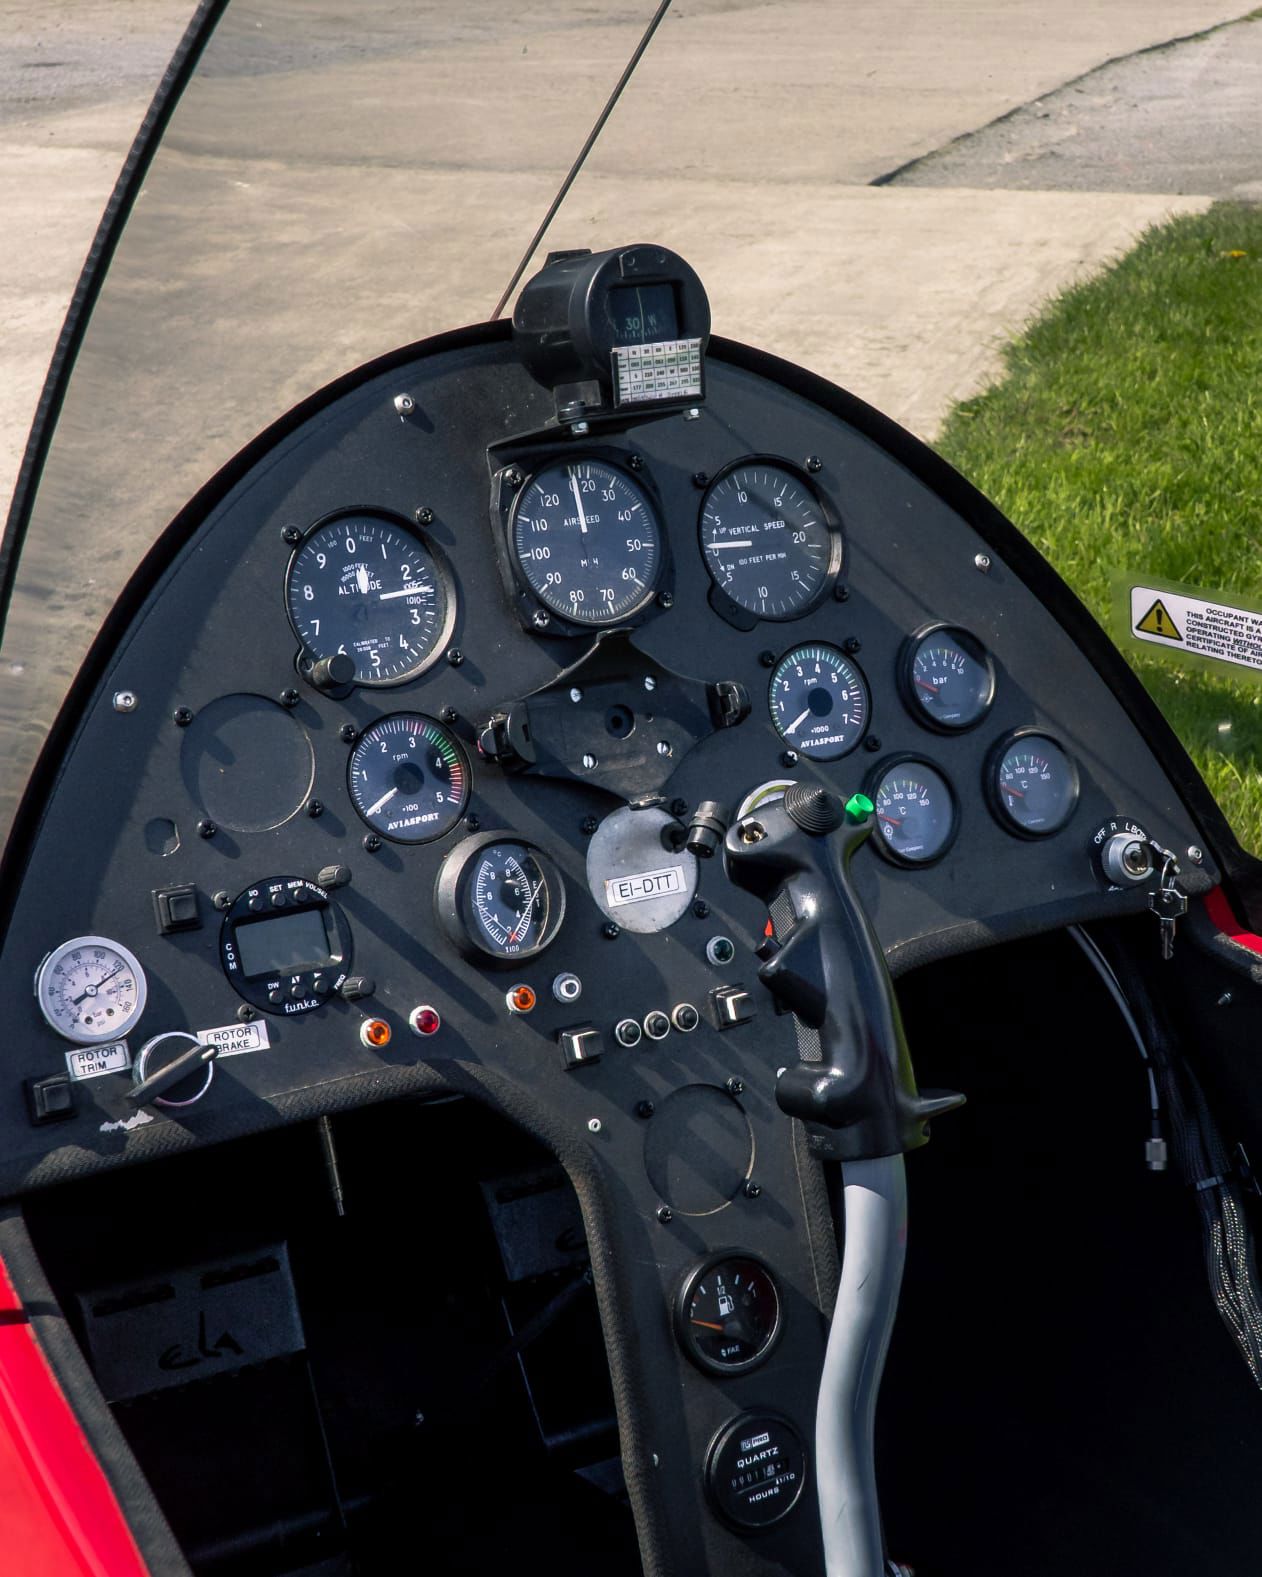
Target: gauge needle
[
  {"x": 407, "y": 591},
  {"x": 582, "y": 518},
  {"x": 932, "y": 688},
  {"x": 361, "y": 579},
  {"x": 1008, "y": 789},
  {"x": 96, "y": 985},
  {"x": 718, "y": 547},
  {"x": 893, "y": 821},
  {"x": 383, "y": 801},
  {"x": 711, "y": 1326},
  {"x": 525, "y": 919},
  {"x": 800, "y": 718}
]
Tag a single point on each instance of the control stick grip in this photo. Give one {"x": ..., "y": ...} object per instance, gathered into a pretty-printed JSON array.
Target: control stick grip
[{"x": 860, "y": 1101}]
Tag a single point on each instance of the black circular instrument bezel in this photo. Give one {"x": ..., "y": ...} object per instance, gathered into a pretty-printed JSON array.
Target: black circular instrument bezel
[
  {"x": 532, "y": 601},
  {"x": 311, "y": 990},
  {"x": 683, "y": 1299},
  {"x": 376, "y": 825},
  {"x": 873, "y": 782},
  {"x": 722, "y": 601},
  {"x": 762, "y": 1420},
  {"x": 907, "y": 678},
  {"x": 995, "y": 799},
  {"x": 444, "y": 579},
  {"x": 449, "y": 894},
  {"x": 849, "y": 662}
]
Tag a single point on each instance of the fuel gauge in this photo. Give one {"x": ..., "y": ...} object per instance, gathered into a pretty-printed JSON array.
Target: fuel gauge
[{"x": 727, "y": 1316}]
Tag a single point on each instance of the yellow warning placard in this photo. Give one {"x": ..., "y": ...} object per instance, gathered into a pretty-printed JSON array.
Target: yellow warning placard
[
  {"x": 1157, "y": 621},
  {"x": 1189, "y": 623}
]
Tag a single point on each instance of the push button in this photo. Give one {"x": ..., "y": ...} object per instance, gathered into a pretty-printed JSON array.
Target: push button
[
  {"x": 50, "y": 1100},
  {"x": 580, "y": 1044},
  {"x": 733, "y": 1005},
  {"x": 175, "y": 909}
]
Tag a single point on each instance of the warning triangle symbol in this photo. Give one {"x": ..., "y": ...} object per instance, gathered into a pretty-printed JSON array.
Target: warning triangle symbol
[{"x": 1157, "y": 621}]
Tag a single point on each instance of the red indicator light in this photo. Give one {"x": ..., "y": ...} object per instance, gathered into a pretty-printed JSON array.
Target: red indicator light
[{"x": 425, "y": 1021}]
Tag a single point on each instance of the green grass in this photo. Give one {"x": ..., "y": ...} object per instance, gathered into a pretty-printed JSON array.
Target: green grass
[{"x": 1126, "y": 435}]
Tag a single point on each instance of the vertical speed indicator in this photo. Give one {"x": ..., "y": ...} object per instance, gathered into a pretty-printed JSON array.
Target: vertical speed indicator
[{"x": 766, "y": 542}]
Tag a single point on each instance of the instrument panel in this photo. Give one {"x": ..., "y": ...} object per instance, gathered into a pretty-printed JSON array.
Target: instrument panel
[{"x": 436, "y": 699}]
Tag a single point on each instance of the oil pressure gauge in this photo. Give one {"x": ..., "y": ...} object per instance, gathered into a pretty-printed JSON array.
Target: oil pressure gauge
[
  {"x": 91, "y": 990},
  {"x": 947, "y": 678}
]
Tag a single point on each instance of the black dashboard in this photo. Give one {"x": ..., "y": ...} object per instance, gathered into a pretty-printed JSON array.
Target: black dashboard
[{"x": 382, "y": 782}]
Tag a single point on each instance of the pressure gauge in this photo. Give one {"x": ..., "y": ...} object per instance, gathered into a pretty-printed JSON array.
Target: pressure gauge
[
  {"x": 91, "y": 990},
  {"x": 499, "y": 898}
]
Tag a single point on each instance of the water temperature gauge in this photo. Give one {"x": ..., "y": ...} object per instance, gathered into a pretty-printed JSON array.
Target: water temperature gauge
[
  {"x": 916, "y": 813},
  {"x": 499, "y": 897},
  {"x": 1033, "y": 784},
  {"x": 91, "y": 990}
]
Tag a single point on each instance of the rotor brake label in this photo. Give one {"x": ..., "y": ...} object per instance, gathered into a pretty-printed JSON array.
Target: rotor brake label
[
  {"x": 232, "y": 1039},
  {"x": 1188, "y": 623}
]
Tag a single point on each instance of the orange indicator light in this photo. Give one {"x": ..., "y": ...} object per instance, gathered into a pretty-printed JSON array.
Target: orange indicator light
[
  {"x": 374, "y": 1032},
  {"x": 521, "y": 999}
]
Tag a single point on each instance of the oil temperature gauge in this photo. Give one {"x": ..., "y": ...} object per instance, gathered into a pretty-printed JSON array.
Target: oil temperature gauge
[
  {"x": 91, "y": 990},
  {"x": 727, "y": 1316},
  {"x": 915, "y": 811},
  {"x": 1033, "y": 784},
  {"x": 499, "y": 897}
]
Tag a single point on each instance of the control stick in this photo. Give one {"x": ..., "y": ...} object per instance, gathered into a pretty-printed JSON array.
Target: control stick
[{"x": 857, "y": 1095}]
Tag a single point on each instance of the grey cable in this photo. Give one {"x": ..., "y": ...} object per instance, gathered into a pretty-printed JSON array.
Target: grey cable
[{"x": 875, "y": 1203}]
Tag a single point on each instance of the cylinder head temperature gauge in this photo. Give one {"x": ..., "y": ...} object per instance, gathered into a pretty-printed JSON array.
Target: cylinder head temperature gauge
[
  {"x": 727, "y": 1316},
  {"x": 916, "y": 814},
  {"x": 499, "y": 897},
  {"x": 1033, "y": 784},
  {"x": 91, "y": 990}
]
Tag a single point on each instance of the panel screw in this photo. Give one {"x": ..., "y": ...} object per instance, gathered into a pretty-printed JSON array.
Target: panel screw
[
  {"x": 424, "y": 516},
  {"x": 611, "y": 930},
  {"x": 665, "y": 599},
  {"x": 372, "y": 842},
  {"x": 246, "y": 1014},
  {"x": 636, "y": 462},
  {"x": 222, "y": 900},
  {"x": 593, "y": 1125},
  {"x": 1195, "y": 855},
  {"x": 649, "y": 682},
  {"x": 700, "y": 908},
  {"x": 588, "y": 825},
  {"x": 982, "y": 561},
  {"x": 678, "y": 807},
  {"x": 851, "y": 645},
  {"x": 348, "y": 733},
  {"x": 692, "y": 414},
  {"x": 699, "y": 479},
  {"x": 580, "y": 429},
  {"x": 841, "y": 592},
  {"x": 404, "y": 404},
  {"x": 455, "y": 656},
  {"x": 289, "y": 698},
  {"x": 182, "y": 716},
  {"x": 315, "y": 808},
  {"x": 872, "y": 743},
  {"x": 206, "y": 829},
  {"x": 663, "y": 748},
  {"x": 125, "y": 701},
  {"x": 449, "y": 714},
  {"x": 539, "y": 618},
  {"x": 472, "y": 822},
  {"x": 292, "y": 535},
  {"x": 767, "y": 659},
  {"x": 645, "y": 1109},
  {"x": 814, "y": 463},
  {"x": 513, "y": 476},
  {"x": 735, "y": 1086},
  {"x": 576, "y": 695},
  {"x": 1224, "y": 1001},
  {"x": 665, "y": 1214},
  {"x": 589, "y": 762},
  {"x": 788, "y": 758},
  {"x": 752, "y": 1189}
]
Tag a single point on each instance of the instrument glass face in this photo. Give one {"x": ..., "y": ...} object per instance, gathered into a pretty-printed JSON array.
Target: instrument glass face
[
  {"x": 915, "y": 813},
  {"x": 729, "y": 1314},
  {"x": 819, "y": 701},
  {"x": 587, "y": 541},
  {"x": 91, "y": 990},
  {"x": 365, "y": 585},
  {"x": 1034, "y": 784},
  {"x": 510, "y": 899},
  {"x": 408, "y": 778},
  {"x": 765, "y": 540},
  {"x": 949, "y": 679}
]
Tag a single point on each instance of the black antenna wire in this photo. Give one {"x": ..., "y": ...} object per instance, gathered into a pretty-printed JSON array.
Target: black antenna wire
[{"x": 587, "y": 147}]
